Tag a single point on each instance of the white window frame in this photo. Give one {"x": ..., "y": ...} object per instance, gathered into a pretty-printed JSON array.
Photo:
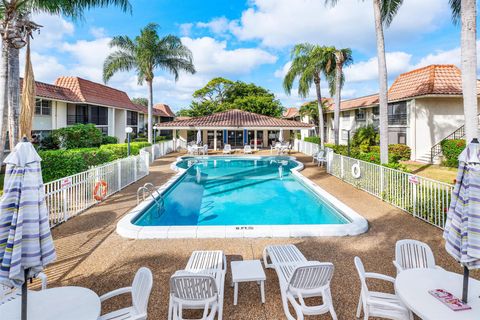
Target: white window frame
[{"x": 40, "y": 100}]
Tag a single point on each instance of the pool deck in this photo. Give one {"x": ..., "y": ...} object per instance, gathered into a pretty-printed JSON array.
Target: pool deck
[{"x": 91, "y": 254}]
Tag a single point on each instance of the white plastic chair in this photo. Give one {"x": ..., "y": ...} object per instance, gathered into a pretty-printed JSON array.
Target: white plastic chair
[
  {"x": 7, "y": 294},
  {"x": 189, "y": 149},
  {"x": 140, "y": 292},
  {"x": 200, "y": 286},
  {"x": 247, "y": 149},
  {"x": 205, "y": 149},
  {"x": 413, "y": 254},
  {"x": 227, "y": 149},
  {"x": 379, "y": 304},
  {"x": 300, "y": 279},
  {"x": 320, "y": 157}
]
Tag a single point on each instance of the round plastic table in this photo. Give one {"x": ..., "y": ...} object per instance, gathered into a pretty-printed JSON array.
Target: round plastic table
[
  {"x": 72, "y": 303},
  {"x": 412, "y": 287}
]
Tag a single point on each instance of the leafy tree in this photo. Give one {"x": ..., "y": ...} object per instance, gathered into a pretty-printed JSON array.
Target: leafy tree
[
  {"x": 16, "y": 27},
  {"x": 221, "y": 94},
  {"x": 141, "y": 101},
  {"x": 365, "y": 137},
  {"x": 309, "y": 61},
  {"x": 146, "y": 53}
]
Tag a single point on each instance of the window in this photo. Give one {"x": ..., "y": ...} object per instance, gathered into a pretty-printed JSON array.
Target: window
[
  {"x": 132, "y": 118},
  {"x": 344, "y": 134},
  {"x": 360, "y": 115},
  {"x": 397, "y": 113},
  {"x": 99, "y": 115},
  {"x": 345, "y": 118},
  {"x": 43, "y": 107}
]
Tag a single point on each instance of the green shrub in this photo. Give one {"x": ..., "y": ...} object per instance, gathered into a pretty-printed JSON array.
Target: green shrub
[
  {"x": 120, "y": 150},
  {"x": 49, "y": 143},
  {"x": 402, "y": 151},
  {"x": 57, "y": 164},
  {"x": 364, "y": 138},
  {"x": 315, "y": 140},
  {"x": 109, "y": 140},
  {"x": 451, "y": 149},
  {"x": 78, "y": 136}
]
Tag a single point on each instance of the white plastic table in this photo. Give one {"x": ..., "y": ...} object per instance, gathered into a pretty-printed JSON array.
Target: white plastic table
[
  {"x": 412, "y": 287},
  {"x": 247, "y": 271},
  {"x": 72, "y": 303}
]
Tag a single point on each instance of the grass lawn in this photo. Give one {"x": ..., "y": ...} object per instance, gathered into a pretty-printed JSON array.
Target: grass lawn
[{"x": 432, "y": 171}]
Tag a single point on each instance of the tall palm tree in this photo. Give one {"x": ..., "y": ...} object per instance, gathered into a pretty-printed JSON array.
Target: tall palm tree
[
  {"x": 384, "y": 11},
  {"x": 144, "y": 54},
  {"x": 308, "y": 64},
  {"x": 15, "y": 27},
  {"x": 336, "y": 79},
  {"x": 465, "y": 11}
]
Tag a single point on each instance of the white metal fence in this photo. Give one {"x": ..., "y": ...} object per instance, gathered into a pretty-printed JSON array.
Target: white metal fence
[
  {"x": 69, "y": 196},
  {"x": 424, "y": 198}
]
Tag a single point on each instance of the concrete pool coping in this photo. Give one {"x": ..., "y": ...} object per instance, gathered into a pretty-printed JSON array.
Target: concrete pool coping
[{"x": 357, "y": 224}]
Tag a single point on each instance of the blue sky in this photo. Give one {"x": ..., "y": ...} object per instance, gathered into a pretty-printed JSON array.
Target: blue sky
[{"x": 249, "y": 41}]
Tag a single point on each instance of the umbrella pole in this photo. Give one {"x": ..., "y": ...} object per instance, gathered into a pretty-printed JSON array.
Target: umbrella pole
[
  {"x": 466, "y": 275},
  {"x": 24, "y": 297}
]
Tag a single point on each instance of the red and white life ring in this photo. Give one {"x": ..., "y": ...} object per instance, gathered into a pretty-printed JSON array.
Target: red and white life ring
[
  {"x": 100, "y": 190},
  {"x": 356, "y": 172}
]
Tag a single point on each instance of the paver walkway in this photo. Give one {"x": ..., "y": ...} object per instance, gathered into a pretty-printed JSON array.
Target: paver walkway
[{"x": 91, "y": 254}]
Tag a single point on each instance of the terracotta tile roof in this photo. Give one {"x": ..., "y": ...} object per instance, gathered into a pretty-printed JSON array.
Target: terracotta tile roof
[
  {"x": 164, "y": 110},
  {"x": 235, "y": 119},
  {"x": 430, "y": 80},
  {"x": 356, "y": 103},
  {"x": 182, "y": 118},
  {"x": 96, "y": 93},
  {"x": 290, "y": 113},
  {"x": 50, "y": 91}
]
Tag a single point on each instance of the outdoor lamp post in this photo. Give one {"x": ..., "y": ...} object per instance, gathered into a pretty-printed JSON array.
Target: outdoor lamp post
[
  {"x": 155, "y": 128},
  {"x": 128, "y": 130}
]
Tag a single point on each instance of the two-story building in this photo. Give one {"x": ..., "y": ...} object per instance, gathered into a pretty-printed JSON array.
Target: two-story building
[
  {"x": 73, "y": 100},
  {"x": 425, "y": 106}
]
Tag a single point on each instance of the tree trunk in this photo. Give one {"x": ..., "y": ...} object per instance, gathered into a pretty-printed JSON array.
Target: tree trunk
[
  {"x": 336, "y": 112},
  {"x": 469, "y": 67},
  {"x": 13, "y": 96},
  {"x": 320, "y": 111},
  {"x": 3, "y": 99},
  {"x": 150, "y": 111},
  {"x": 382, "y": 81}
]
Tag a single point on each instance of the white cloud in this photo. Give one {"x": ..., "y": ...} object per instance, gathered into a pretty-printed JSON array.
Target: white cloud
[
  {"x": 98, "y": 32},
  {"x": 279, "y": 23},
  {"x": 186, "y": 29},
  {"x": 54, "y": 30},
  {"x": 212, "y": 57},
  {"x": 397, "y": 62},
  {"x": 217, "y": 25},
  {"x": 282, "y": 72}
]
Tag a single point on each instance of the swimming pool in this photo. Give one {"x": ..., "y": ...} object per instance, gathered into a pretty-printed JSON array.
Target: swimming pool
[{"x": 240, "y": 196}]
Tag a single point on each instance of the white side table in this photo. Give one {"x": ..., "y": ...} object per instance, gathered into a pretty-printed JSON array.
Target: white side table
[{"x": 247, "y": 271}]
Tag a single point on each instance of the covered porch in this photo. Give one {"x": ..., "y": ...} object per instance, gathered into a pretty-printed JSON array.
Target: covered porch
[{"x": 236, "y": 128}]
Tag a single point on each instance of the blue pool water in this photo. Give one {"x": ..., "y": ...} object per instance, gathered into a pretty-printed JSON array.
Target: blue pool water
[{"x": 239, "y": 191}]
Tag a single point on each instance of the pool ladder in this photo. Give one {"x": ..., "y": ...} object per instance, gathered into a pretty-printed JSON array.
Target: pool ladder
[{"x": 150, "y": 188}]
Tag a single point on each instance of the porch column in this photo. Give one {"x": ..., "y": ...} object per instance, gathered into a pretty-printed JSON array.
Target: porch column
[
  {"x": 215, "y": 140},
  {"x": 255, "y": 139},
  {"x": 204, "y": 136},
  {"x": 265, "y": 138},
  {"x": 174, "y": 138}
]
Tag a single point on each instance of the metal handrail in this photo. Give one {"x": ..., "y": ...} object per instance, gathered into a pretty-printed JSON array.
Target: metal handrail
[
  {"x": 160, "y": 205},
  {"x": 437, "y": 148}
]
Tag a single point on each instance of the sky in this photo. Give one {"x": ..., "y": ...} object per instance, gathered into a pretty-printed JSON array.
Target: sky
[{"x": 248, "y": 40}]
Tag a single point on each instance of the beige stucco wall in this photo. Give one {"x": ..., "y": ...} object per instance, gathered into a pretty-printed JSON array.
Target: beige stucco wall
[
  {"x": 120, "y": 124},
  {"x": 431, "y": 120}
]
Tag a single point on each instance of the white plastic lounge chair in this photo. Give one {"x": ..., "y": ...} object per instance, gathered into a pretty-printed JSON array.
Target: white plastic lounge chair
[
  {"x": 379, "y": 304},
  {"x": 199, "y": 286},
  {"x": 140, "y": 292},
  {"x": 7, "y": 294},
  {"x": 247, "y": 149},
  {"x": 205, "y": 149},
  {"x": 410, "y": 254},
  {"x": 300, "y": 279},
  {"x": 320, "y": 157},
  {"x": 227, "y": 149}
]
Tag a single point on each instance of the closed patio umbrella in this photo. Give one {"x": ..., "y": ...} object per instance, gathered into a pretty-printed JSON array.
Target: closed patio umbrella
[
  {"x": 280, "y": 135},
  {"x": 462, "y": 228},
  {"x": 199, "y": 137},
  {"x": 26, "y": 244}
]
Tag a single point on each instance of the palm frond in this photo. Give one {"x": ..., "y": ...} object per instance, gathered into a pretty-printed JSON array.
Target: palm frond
[
  {"x": 117, "y": 61},
  {"x": 389, "y": 9},
  {"x": 456, "y": 6},
  {"x": 74, "y": 9}
]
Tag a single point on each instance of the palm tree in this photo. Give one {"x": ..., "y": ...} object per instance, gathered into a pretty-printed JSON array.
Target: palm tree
[
  {"x": 466, "y": 12},
  {"x": 144, "y": 54},
  {"x": 308, "y": 63},
  {"x": 384, "y": 11},
  {"x": 336, "y": 78},
  {"x": 15, "y": 27}
]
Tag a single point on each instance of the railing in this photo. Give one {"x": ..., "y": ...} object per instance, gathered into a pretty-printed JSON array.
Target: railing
[
  {"x": 437, "y": 148},
  {"x": 397, "y": 119},
  {"x": 71, "y": 195},
  {"x": 424, "y": 198}
]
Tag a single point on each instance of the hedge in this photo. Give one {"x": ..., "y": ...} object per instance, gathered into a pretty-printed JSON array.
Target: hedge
[
  {"x": 451, "y": 149},
  {"x": 61, "y": 163}
]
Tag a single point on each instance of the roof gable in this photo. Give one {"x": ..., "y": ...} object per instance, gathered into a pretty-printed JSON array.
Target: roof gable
[
  {"x": 163, "y": 110},
  {"x": 235, "y": 118}
]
